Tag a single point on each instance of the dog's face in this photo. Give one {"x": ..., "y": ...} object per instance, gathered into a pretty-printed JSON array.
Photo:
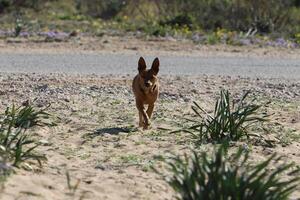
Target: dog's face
[{"x": 148, "y": 78}]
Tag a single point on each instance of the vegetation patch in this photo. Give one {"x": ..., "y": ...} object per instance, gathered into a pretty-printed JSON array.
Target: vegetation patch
[
  {"x": 207, "y": 22},
  {"x": 230, "y": 120},
  {"x": 16, "y": 144},
  {"x": 220, "y": 176}
]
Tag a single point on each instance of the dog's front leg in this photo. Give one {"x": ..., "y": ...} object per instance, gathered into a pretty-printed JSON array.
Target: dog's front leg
[
  {"x": 150, "y": 110},
  {"x": 143, "y": 116},
  {"x": 141, "y": 120}
]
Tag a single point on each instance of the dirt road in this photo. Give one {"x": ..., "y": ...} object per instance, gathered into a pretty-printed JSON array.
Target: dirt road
[{"x": 121, "y": 64}]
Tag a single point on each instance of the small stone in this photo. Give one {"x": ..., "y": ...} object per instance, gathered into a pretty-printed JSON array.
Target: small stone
[
  {"x": 100, "y": 166},
  {"x": 45, "y": 142},
  {"x": 42, "y": 87}
]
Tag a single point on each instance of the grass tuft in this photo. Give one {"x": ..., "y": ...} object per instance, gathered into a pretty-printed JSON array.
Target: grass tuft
[
  {"x": 229, "y": 122},
  {"x": 15, "y": 143},
  {"x": 220, "y": 176},
  {"x": 26, "y": 116}
]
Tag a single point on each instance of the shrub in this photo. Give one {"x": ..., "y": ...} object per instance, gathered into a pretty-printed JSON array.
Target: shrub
[
  {"x": 297, "y": 38},
  {"x": 180, "y": 20},
  {"x": 223, "y": 177},
  {"x": 229, "y": 122},
  {"x": 235, "y": 15},
  {"x": 18, "y": 26},
  {"x": 4, "y": 4},
  {"x": 99, "y": 8}
]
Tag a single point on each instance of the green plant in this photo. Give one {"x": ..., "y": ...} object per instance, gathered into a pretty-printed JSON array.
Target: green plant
[
  {"x": 230, "y": 120},
  {"x": 212, "y": 39},
  {"x": 26, "y": 116},
  {"x": 179, "y": 20},
  {"x": 297, "y": 38},
  {"x": 223, "y": 177},
  {"x": 18, "y": 26},
  {"x": 15, "y": 142}
]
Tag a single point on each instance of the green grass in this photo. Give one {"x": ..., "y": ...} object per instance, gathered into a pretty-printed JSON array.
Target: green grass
[
  {"x": 26, "y": 117},
  {"x": 161, "y": 18},
  {"x": 230, "y": 121},
  {"x": 131, "y": 159},
  {"x": 223, "y": 177},
  {"x": 16, "y": 143}
]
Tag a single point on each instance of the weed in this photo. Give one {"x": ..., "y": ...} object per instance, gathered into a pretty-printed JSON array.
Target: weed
[
  {"x": 180, "y": 20},
  {"x": 130, "y": 159},
  {"x": 288, "y": 136},
  {"x": 15, "y": 143},
  {"x": 230, "y": 177},
  {"x": 297, "y": 38},
  {"x": 147, "y": 166},
  {"x": 72, "y": 188},
  {"x": 230, "y": 121},
  {"x": 212, "y": 39},
  {"x": 26, "y": 117},
  {"x": 18, "y": 26}
]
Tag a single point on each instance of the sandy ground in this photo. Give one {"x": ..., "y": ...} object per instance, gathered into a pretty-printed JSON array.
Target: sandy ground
[{"x": 97, "y": 139}]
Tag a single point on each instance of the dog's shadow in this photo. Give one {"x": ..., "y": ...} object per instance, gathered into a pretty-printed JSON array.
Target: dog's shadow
[{"x": 111, "y": 131}]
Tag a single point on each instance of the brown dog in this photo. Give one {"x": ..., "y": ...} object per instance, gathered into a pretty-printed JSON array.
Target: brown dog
[{"x": 145, "y": 88}]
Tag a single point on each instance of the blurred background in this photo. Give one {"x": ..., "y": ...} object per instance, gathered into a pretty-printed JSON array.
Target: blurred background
[{"x": 207, "y": 21}]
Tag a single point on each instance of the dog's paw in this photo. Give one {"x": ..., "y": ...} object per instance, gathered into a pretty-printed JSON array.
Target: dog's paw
[
  {"x": 141, "y": 124},
  {"x": 147, "y": 125}
]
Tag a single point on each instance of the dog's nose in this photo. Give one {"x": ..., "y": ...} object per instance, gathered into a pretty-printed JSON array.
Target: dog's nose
[{"x": 147, "y": 84}]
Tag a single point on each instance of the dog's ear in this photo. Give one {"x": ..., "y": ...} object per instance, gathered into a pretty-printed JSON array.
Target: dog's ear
[
  {"x": 142, "y": 65},
  {"x": 155, "y": 66}
]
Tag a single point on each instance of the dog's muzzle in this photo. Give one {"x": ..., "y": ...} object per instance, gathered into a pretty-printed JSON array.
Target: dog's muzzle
[{"x": 148, "y": 84}]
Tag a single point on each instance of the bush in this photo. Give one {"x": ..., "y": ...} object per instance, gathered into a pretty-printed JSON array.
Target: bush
[
  {"x": 4, "y": 4},
  {"x": 263, "y": 16},
  {"x": 181, "y": 20},
  {"x": 99, "y": 8},
  {"x": 223, "y": 177},
  {"x": 297, "y": 38},
  {"x": 229, "y": 122},
  {"x": 7, "y": 5},
  {"x": 18, "y": 26}
]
